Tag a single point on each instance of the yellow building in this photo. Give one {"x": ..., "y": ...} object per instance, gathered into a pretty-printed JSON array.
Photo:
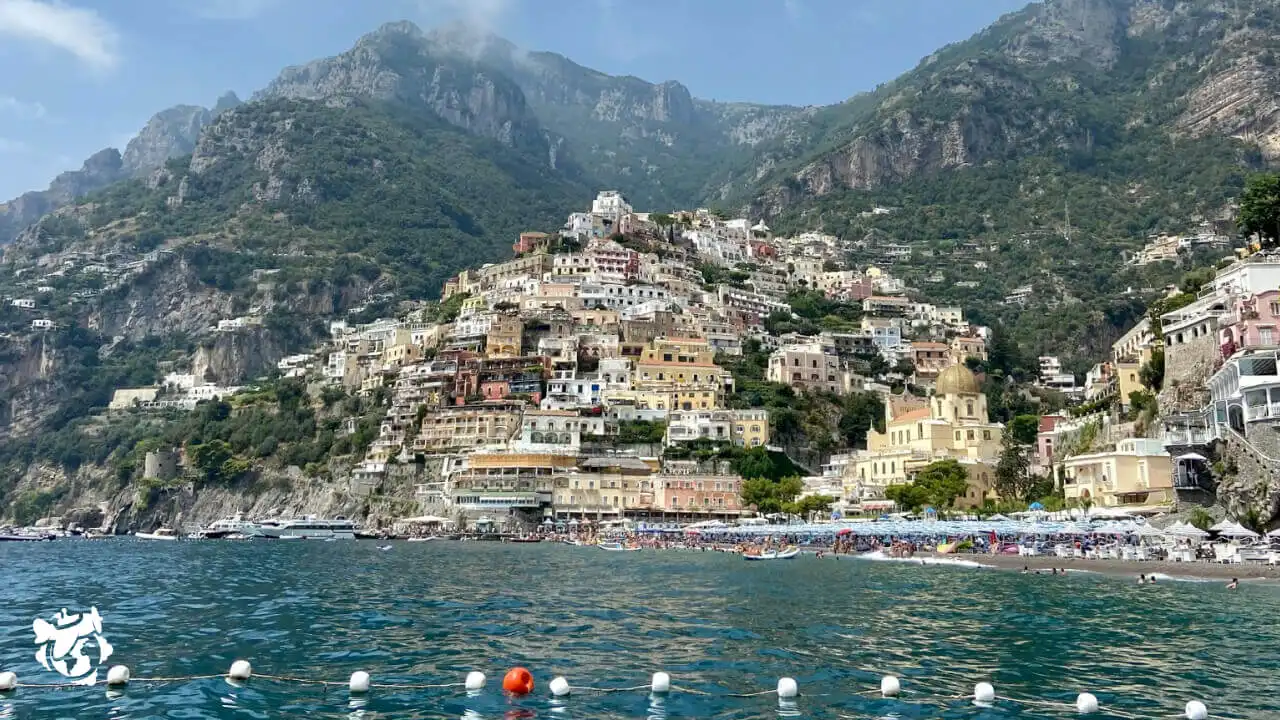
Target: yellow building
[
  {"x": 401, "y": 355},
  {"x": 1128, "y": 380},
  {"x": 470, "y": 426},
  {"x": 504, "y": 338},
  {"x": 603, "y": 487},
  {"x": 750, "y": 428},
  {"x": 953, "y": 424},
  {"x": 1137, "y": 472},
  {"x": 685, "y": 368}
]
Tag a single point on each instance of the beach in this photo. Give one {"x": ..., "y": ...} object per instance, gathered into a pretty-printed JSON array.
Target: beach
[{"x": 1198, "y": 570}]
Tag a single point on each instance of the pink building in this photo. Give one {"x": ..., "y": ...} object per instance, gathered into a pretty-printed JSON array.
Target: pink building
[
  {"x": 1043, "y": 460},
  {"x": 1253, "y": 322},
  {"x": 698, "y": 494}
]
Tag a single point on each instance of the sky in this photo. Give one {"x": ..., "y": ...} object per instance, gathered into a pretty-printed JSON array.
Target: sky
[{"x": 82, "y": 75}]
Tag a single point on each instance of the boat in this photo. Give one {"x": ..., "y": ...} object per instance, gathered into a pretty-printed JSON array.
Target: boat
[
  {"x": 616, "y": 547},
  {"x": 227, "y": 526},
  {"x": 422, "y": 539},
  {"x": 163, "y": 533},
  {"x": 310, "y": 528},
  {"x": 525, "y": 540},
  {"x": 23, "y": 537},
  {"x": 786, "y": 553}
]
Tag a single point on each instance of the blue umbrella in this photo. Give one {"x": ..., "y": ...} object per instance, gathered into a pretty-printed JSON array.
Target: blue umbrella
[{"x": 1036, "y": 506}]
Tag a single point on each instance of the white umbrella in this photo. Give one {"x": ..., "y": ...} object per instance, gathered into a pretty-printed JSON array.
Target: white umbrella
[
  {"x": 1274, "y": 533},
  {"x": 1187, "y": 531},
  {"x": 1072, "y": 529},
  {"x": 1147, "y": 531},
  {"x": 1219, "y": 527},
  {"x": 1236, "y": 530}
]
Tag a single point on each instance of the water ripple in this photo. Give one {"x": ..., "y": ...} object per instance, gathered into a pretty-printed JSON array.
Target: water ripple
[{"x": 428, "y": 613}]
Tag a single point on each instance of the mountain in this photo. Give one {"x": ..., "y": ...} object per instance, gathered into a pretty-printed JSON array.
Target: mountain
[
  {"x": 1069, "y": 130},
  {"x": 168, "y": 134},
  {"x": 653, "y": 141}
]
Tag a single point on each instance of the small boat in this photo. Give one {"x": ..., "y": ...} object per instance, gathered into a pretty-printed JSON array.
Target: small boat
[
  {"x": 525, "y": 540},
  {"x": 22, "y": 537},
  {"x": 163, "y": 533},
  {"x": 384, "y": 547},
  {"x": 783, "y": 554},
  {"x": 616, "y": 547},
  {"x": 422, "y": 539}
]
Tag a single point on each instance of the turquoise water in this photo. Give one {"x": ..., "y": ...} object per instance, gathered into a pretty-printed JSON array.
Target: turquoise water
[{"x": 430, "y": 612}]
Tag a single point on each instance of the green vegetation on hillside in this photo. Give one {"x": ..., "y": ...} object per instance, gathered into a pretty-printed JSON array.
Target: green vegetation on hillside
[{"x": 384, "y": 188}]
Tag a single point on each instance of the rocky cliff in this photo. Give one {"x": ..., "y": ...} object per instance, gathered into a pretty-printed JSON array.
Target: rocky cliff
[
  {"x": 1081, "y": 76},
  {"x": 168, "y": 134}
]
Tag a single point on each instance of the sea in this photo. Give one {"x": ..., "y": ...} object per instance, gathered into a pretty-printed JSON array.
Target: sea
[{"x": 725, "y": 630}]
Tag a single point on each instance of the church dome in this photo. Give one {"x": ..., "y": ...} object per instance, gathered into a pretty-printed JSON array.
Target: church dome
[{"x": 957, "y": 380}]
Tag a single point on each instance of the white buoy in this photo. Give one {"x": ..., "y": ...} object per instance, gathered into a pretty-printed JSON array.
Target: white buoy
[
  {"x": 559, "y": 687},
  {"x": 1197, "y": 711},
  {"x": 8, "y": 681},
  {"x": 1086, "y": 703},
  {"x": 890, "y": 686},
  {"x": 787, "y": 688},
  {"x": 661, "y": 683},
  {"x": 475, "y": 680},
  {"x": 984, "y": 693},
  {"x": 359, "y": 682},
  {"x": 240, "y": 670},
  {"x": 118, "y": 675}
]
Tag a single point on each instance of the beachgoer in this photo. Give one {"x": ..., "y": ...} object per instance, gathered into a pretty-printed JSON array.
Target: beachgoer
[
  {"x": 1025, "y": 569},
  {"x": 1233, "y": 584},
  {"x": 1151, "y": 580},
  {"x": 1142, "y": 579}
]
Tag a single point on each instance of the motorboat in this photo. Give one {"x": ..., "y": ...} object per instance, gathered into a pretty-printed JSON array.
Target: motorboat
[
  {"x": 231, "y": 525},
  {"x": 24, "y": 537},
  {"x": 310, "y": 528},
  {"x": 525, "y": 540},
  {"x": 616, "y": 547},
  {"x": 163, "y": 533},
  {"x": 786, "y": 553}
]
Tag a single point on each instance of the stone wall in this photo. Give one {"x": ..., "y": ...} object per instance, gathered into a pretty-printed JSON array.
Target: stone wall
[
  {"x": 1256, "y": 483},
  {"x": 1187, "y": 368}
]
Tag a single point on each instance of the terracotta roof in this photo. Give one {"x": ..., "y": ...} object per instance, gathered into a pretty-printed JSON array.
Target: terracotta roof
[{"x": 917, "y": 414}]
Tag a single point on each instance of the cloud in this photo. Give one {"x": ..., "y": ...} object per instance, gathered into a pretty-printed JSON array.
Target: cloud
[
  {"x": 232, "y": 9},
  {"x": 488, "y": 15},
  {"x": 82, "y": 32},
  {"x": 13, "y": 107}
]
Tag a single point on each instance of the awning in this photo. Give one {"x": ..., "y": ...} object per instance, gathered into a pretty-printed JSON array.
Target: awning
[
  {"x": 1194, "y": 457},
  {"x": 426, "y": 520}
]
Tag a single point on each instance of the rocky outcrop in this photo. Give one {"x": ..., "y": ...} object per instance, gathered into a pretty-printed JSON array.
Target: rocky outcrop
[
  {"x": 232, "y": 357},
  {"x": 99, "y": 171},
  {"x": 395, "y": 63}
]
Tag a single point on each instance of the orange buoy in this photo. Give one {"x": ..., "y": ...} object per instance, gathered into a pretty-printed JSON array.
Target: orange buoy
[{"x": 518, "y": 681}]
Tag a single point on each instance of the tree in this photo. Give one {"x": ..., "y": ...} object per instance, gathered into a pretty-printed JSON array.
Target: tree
[
  {"x": 209, "y": 457},
  {"x": 1152, "y": 372},
  {"x": 805, "y": 507},
  {"x": 1013, "y": 473},
  {"x": 769, "y": 496},
  {"x": 1260, "y": 208},
  {"x": 909, "y": 497},
  {"x": 1200, "y": 518},
  {"x": 943, "y": 481},
  {"x": 1025, "y": 428}
]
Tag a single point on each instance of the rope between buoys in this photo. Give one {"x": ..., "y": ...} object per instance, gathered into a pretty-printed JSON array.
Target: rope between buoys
[
  {"x": 691, "y": 691},
  {"x": 609, "y": 690},
  {"x": 754, "y": 694},
  {"x": 394, "y": 686}
]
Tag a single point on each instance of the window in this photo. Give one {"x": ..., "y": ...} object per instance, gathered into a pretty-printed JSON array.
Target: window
[
  {"x": 971, "y": 435},
  {"x": 1266, "y": 336},
  {"x": 986, "y": 434},
  {"x": 957, "y": 434}
]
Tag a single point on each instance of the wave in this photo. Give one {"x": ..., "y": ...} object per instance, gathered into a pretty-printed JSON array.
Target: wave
[{"x": 880, "y": 556}]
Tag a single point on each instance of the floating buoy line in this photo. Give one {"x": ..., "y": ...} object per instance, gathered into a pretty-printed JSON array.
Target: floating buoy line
[{"x": 519, "y": 681}]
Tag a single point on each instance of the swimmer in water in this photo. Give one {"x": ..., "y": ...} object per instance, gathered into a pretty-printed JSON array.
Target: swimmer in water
[
  {"x": 1233, "y": 584},
  {"x": 1025, "y": 569},
  {"x": 1142, "y": 579}
]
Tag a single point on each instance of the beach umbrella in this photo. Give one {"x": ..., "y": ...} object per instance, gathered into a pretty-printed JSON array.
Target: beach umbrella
[
  {"x": 1147, "y": 531},
  {"x": 1220, "y": 526},
  {"x": 1184, "y": 530},
  {"x": 1035, "y": 506},
  {"x": 845, "y": 531},
  {"x": 1236, "y": 530}
]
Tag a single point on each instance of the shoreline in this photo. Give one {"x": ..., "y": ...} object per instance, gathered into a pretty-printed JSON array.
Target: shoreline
[{"x": 1121, "y": 568}]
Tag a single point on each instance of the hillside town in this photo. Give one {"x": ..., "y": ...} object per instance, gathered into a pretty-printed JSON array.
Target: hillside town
[{"x": 590, "y": 377}]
